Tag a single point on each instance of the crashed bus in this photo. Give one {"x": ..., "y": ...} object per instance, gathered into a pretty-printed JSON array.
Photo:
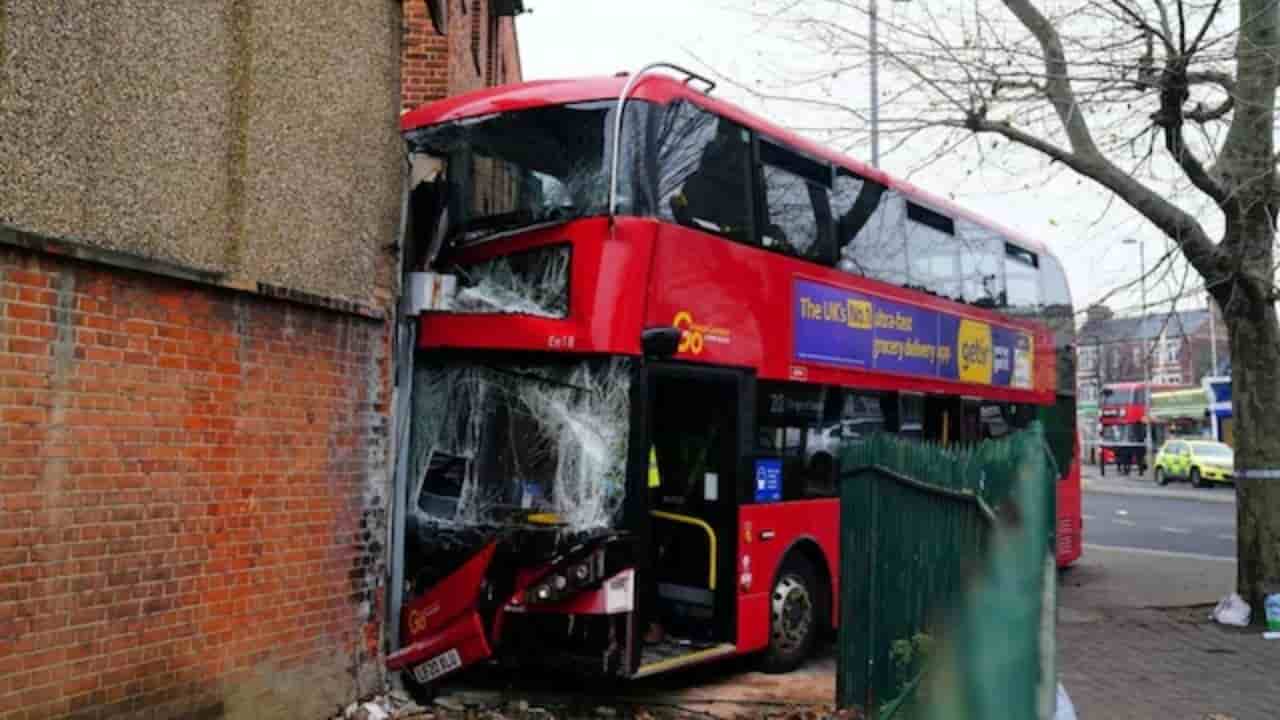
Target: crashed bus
[{"x": 650, "y": 322}]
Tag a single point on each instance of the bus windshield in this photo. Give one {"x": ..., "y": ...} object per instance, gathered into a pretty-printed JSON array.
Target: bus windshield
[
  {"x": 1124, "y": 396},
  {"x": 513, "y": 170},
  {"x": 502, "y": 444},
  {"x": 1124, "y": 434}
]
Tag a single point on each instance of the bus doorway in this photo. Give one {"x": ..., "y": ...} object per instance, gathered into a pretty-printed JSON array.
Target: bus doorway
[{"x": 695, "y": 452}]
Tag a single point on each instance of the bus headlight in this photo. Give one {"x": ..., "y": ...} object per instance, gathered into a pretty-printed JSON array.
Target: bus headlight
[{"x": 560, "y": 584}]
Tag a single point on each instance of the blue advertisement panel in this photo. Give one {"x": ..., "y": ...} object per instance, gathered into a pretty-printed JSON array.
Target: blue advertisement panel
[{"x": 854, "y": 329}]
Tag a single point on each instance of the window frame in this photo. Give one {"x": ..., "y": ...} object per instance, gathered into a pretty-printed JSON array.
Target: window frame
[
  {"x": 751, "y": 196},
  {"x": 760, "y": 196},
  {"x": 918, "y": 217}
]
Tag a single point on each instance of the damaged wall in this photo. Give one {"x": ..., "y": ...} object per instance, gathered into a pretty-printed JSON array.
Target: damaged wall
[
  {"x": 193, "y": 473},
  {"x": 193, "y": 505}
]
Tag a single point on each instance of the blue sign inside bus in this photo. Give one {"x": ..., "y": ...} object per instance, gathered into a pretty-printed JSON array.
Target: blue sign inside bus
[{"x": 855, "y": 329}]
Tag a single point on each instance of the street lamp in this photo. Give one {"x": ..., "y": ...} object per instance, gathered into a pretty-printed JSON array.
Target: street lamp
[
  {"x": 1146, "y": 361},
  {"x": 874, "y": 15},
  {"x": 875, "y": 86}
]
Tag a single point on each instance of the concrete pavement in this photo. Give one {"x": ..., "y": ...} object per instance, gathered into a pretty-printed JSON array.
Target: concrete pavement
[{"x": 1134, "y": 640}]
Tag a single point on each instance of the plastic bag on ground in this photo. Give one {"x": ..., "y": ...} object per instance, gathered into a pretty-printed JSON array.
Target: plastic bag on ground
[
  {"x": 1232, "y": 610},
  {"x": 1065, "y": 711}
]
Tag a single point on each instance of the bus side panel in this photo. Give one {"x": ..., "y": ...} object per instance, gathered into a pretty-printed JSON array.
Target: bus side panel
[
  {"x": 727, "y": 303},
  {"x": 735, "y": 304},
  {"x": 1070, "y": 529},
  {"x": 767, "y": 532}
]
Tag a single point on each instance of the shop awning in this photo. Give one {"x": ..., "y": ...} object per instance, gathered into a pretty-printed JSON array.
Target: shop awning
[{"x": 1179, "y": 404}]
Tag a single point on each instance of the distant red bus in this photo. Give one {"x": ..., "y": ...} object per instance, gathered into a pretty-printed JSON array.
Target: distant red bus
[
  {"x": 1124, "y": 421},
  {"x": 637, "y": 369}
]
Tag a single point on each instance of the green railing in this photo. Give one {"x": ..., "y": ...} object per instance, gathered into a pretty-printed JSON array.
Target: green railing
[{"x": 944, "y": 582}]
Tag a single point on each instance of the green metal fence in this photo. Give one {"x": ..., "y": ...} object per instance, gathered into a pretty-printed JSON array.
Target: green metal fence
[{"x": 926, "y": 531}]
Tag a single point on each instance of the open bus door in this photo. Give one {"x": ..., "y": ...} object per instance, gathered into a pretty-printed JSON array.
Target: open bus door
[{"x": 697, "y": 439}]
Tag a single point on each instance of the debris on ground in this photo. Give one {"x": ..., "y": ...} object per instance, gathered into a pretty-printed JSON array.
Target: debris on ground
[
  {"x": 492, "y": 706},
  {"x": 1232, "y": 610}
]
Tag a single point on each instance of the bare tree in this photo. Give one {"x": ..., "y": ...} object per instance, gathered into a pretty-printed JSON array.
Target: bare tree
[{"x": 1169, "y": 105}]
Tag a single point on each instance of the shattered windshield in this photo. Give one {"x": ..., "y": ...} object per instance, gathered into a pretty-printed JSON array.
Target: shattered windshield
[
  {"x": 515, "y": 444},
  {"x": 509, "y": 171}
]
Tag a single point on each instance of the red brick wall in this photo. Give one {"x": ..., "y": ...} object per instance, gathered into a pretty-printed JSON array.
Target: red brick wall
[
  {"x": 468, "y": 58},
  {"x": 192, "y": 498},
  {"x": 424, "y": 68}
]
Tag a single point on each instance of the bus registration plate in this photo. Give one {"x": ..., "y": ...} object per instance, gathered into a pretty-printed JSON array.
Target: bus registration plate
[{"x": 445, "y": 662}]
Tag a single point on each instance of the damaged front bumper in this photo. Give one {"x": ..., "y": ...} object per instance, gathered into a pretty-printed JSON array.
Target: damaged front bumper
[
  {"x": 573, "y": 608},
  {"x": 444, "y": 626}
]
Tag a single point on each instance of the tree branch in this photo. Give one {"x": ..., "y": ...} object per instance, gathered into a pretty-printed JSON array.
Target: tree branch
[
  {"x": 1202, "y": 114},
  {"x": 1085, "y": 157},
  {"x": 1142, "y": 24},
  {"x": 1057, "y": 85},
  {"x": 1174, "y": 90}
]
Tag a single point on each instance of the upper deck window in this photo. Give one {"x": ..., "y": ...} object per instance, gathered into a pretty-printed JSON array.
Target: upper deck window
[
  {"x": 798, "y": 213},
  {"x": 1022, "y": 280},
  {"x": 981, "y": 265},
  {"x": 509, "y": 171},
  {"x": 933, "y": 256},
  {"x": 704, "y": 172},
  {"x": 869, "y": 230}
]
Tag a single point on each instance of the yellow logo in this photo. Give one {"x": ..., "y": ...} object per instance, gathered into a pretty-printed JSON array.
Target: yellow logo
[
  {"x": 417, "y": 621},
  {"x": 859, "y": 314},
  {"x": 973, "y": 341},
  {"x": 693, "y": 336}
]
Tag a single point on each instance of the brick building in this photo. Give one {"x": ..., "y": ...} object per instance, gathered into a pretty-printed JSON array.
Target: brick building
[
  {"x": 479, "y": 48},
  {"x": 198, "y": 214},
  {"x": 1175, "y": 348},
  {"x": 1178, "y": 347}
]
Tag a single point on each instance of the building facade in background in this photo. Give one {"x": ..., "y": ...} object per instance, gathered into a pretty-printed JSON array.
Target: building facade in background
[
  {"x": 199, "y": 206},
  {"x": 1172, "y": 349}
]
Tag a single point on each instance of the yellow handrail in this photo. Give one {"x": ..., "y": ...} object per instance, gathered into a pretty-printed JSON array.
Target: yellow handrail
[{"x": 687, "y": 520}]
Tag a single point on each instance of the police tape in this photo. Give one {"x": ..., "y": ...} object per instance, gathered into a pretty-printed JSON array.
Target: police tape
[{"x": 1269, "y": 474}]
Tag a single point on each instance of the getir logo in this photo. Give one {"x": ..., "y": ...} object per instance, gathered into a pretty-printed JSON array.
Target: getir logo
[
  {"x": 694, "y": 336},
  {"x": 973, "y": 341}
]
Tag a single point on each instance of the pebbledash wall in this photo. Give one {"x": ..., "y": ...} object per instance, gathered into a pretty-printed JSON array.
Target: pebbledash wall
[{"x": 199, "y": 205}]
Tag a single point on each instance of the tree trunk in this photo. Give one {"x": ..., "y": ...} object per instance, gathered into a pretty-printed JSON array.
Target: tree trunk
[{"x": 1255, "y": 380}]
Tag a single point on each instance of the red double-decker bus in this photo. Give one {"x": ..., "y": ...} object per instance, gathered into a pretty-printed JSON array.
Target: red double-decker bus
[
  {"x": 1124, "y": 422},
  {"x": 653, "y": 320}
]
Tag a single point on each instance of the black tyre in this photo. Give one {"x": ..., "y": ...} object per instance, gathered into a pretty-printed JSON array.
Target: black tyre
[
  {"x": 1197, "y": 479},
  {"x": 1161, "y": 478},
  {"x": 793, "y": 616}
]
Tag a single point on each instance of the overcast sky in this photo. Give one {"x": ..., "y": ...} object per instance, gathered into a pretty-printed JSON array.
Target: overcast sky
[{"x": 567, "y": 38}]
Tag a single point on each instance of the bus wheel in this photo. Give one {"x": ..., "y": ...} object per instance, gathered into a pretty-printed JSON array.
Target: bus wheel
[{"x": 793, "y": 617}]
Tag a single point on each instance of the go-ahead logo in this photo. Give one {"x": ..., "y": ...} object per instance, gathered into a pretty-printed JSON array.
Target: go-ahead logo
[
  {"x": 694, "y": 336},
  {"x": 973, "y": 343}
]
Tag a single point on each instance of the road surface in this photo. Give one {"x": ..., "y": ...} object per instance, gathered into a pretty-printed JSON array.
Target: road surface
[{"x": 1158, "y": 523}]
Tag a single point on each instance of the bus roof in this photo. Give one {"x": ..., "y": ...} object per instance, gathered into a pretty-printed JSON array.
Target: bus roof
[{"x": 663, "y": 89}]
